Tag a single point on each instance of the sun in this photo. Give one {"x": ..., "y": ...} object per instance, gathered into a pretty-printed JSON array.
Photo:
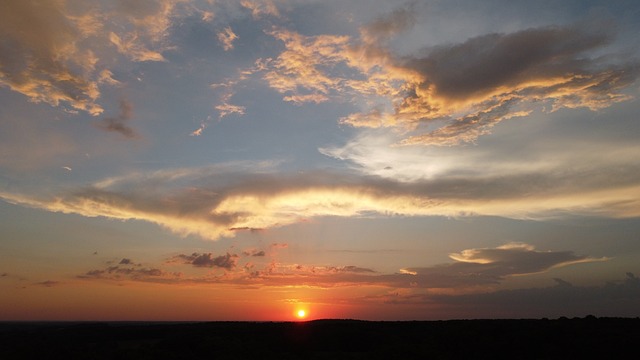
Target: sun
[{"x": 301, "y": 314}]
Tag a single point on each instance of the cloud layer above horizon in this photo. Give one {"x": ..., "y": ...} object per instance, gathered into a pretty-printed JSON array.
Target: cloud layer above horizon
[{"x": 237, "y": 124}]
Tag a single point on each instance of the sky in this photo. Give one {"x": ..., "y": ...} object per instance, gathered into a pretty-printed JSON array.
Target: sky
[{"x": 364, "y": 159}]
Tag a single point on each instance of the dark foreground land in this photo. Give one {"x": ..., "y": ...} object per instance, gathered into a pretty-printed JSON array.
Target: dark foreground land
[{"x": 589, "y": 337}]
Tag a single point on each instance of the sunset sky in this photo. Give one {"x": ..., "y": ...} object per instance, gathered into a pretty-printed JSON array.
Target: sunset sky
[{"x": 366, "y": 159}]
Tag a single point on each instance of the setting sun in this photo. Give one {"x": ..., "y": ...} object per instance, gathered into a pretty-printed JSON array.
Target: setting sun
[{"x": 301, "y": 314}]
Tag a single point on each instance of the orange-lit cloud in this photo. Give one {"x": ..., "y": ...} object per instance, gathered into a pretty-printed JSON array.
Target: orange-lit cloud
[
  {"x": 214, "y": 202},
  {"x": 472, "y": 268},
  {"x": 39, "y": 50},
  {"x": 59, "y": 53},
  {"x": 463, "y": 90},
  {"x": 226, "y": 38},
  {"x": 260, "y": 8}
]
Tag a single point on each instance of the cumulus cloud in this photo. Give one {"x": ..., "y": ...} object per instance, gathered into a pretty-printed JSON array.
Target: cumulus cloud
[{"x": 119, "y": 124}]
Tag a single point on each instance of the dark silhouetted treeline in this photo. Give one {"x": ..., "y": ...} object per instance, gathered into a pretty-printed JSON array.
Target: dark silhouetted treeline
[{"x": 563, "y": 338}]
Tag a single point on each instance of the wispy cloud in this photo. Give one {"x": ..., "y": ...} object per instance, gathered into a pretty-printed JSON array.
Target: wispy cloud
[
  {"x": 260, "y": 8},
  {"x": 226, "y": 38},
  {"x": 212, "y": 202},
  {"x": 119, "y": 124}
]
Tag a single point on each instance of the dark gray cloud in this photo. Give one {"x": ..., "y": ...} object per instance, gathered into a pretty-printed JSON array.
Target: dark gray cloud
[
  {"x": 619, "y": 298},
  {"x": 505, "y": 75},
  {"x": 254, "y": 252},
  {"x": 491, "y": 266},
  {"x": 227, "y": 261},
  {"x": 389, "y": 25},
  {"x": 136, "y": 272},
  {"x": 48, "y": 283},
  {"x": 486, "y": 63},
  {"x": 354, "y": 269},
  {"x": 119, "y": 124}
]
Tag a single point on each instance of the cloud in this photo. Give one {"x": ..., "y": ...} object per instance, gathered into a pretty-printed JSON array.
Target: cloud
[
  {"x": 494, "y": 77},
  {"x": 227, "y": 261},
  {"x": 225, "y": 107},
  {"x": 389, "y": 25},
  {"x": 259, "y": 8},
  {"x": 131, "y": 47},
  {"x": 298, "y": 70},
  {"x": 487, "y": 266},
  {"x": 471, "y": 284},
  {"x": 226, "y": 38},
  {"x": 449, "y": 94},
  {"x": 119, "y": 124},
  {"x": 619, "y": 298},
  {"x": 48, "y": 283},
  {"x": 214, "y": 201},
  {"x": 133, "y": 272},
  {"x": 62, "y": 52},
  {"x": 254, "y": 252},
  {"x": 473, "y": 270},
  {"x": 39, "y": 53}
]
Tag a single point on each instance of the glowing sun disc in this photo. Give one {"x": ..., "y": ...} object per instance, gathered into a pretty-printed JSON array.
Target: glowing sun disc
[{"x": 301, "y": 314}]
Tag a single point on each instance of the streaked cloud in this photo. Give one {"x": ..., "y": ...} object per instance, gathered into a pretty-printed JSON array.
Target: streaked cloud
[
  {"x": 213, "y": 202},
  {"x": 260, "y": 8},
  {"x": 226, "y": 38}
]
